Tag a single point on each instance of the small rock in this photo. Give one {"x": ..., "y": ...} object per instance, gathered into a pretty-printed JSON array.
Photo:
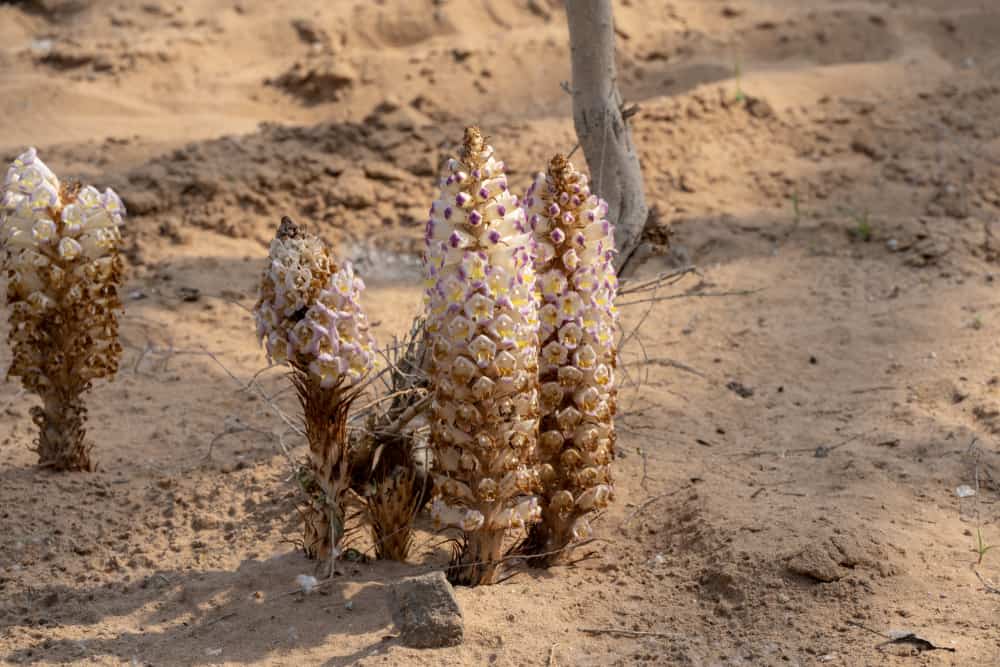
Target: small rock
[
  {"x": 759, "y": 108},
  {"x": 41, "y": 46},
  {"x": 965, "y": 491},
  {"x": 426, "y": 612},
  {"x": 816, "y": 563},
  {"x": 739, "y": 389},
  {"x": 309, "y": 32},
  {"x": 306, "y": 583},
  {"x": 320, "y": 80},
  {"x": 686, "y": 182}
]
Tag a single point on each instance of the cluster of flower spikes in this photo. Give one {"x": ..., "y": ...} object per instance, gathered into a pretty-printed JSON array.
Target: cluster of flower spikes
[
  {"x": 60, "y": 249},
  {"x": 482, "y": 328},
  {"x": 309, "y": 312},
  {"x": 577, "y": 285}
]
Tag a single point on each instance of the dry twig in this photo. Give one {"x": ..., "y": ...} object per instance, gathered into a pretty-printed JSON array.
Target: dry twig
[
  {"x": 627, "y": 633},
  {"x": 988, "y": 585}
]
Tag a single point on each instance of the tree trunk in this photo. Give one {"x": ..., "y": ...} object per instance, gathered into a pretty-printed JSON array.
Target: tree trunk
[{"x": 604, "y": 135}]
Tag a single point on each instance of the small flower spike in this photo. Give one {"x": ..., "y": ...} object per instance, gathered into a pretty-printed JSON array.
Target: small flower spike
[
  {"x": 309, "y": 316},
  {"x": 60, "y": 249}
]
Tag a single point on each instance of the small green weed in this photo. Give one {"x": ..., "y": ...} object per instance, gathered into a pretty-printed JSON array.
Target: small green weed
[
  {"x": 981, "y": 547},
  {"x": 862, "y": 230}
]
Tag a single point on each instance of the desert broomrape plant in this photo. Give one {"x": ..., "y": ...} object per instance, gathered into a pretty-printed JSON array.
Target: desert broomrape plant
[
  {"x": 482, "y": 332},
  {"x": 309, "y": 316},
  {"x": 577, "y": 286},
  {"x": 61, "y": 254},
  {"x": 392, "y": 449}
]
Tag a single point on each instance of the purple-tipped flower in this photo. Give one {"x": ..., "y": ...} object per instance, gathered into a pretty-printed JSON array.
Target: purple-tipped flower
[
  {"x": 480, "y": 323},
  {"x": 577, "y": 313}
]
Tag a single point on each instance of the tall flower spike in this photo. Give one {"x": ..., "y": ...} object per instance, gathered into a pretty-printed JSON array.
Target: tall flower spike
[
  {"x": 309, "y": 316},
  {"x": 482, "y": 329},
  {"x": 60, "y": 251},
  {"x": 577, "y": 285}
]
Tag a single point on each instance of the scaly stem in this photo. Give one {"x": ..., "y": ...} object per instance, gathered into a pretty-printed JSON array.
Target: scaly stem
[
  {"x": 478, "y": 561},
  {"x": 325, "y": 412},
  {"x": 61, "y": 433}
]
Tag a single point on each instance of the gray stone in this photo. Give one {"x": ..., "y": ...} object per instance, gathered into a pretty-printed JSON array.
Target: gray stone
[{"x": 426, "y": 612}]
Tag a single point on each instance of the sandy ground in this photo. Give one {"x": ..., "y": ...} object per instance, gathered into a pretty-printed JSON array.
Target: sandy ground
[{"x": 790, "y": 453}]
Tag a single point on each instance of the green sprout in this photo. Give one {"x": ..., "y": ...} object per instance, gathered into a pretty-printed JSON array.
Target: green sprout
[
  {"x": 862, "y": 230},
  {"x": 981, "y": 546}
]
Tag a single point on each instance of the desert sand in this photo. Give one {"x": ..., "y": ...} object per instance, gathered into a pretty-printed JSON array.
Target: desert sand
[{"x": 794, "y": 421}]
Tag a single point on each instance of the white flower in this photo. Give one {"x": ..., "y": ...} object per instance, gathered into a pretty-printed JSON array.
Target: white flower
[{"x": 69, "y": 249}]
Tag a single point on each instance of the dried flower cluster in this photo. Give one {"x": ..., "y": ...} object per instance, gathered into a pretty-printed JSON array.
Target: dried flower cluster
[
  {"x": 577, "y": 286},
  {"x": 309, "y": 316},
  {"x": 482, "y": 328},
  {"x": 61, "y": 253}
]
